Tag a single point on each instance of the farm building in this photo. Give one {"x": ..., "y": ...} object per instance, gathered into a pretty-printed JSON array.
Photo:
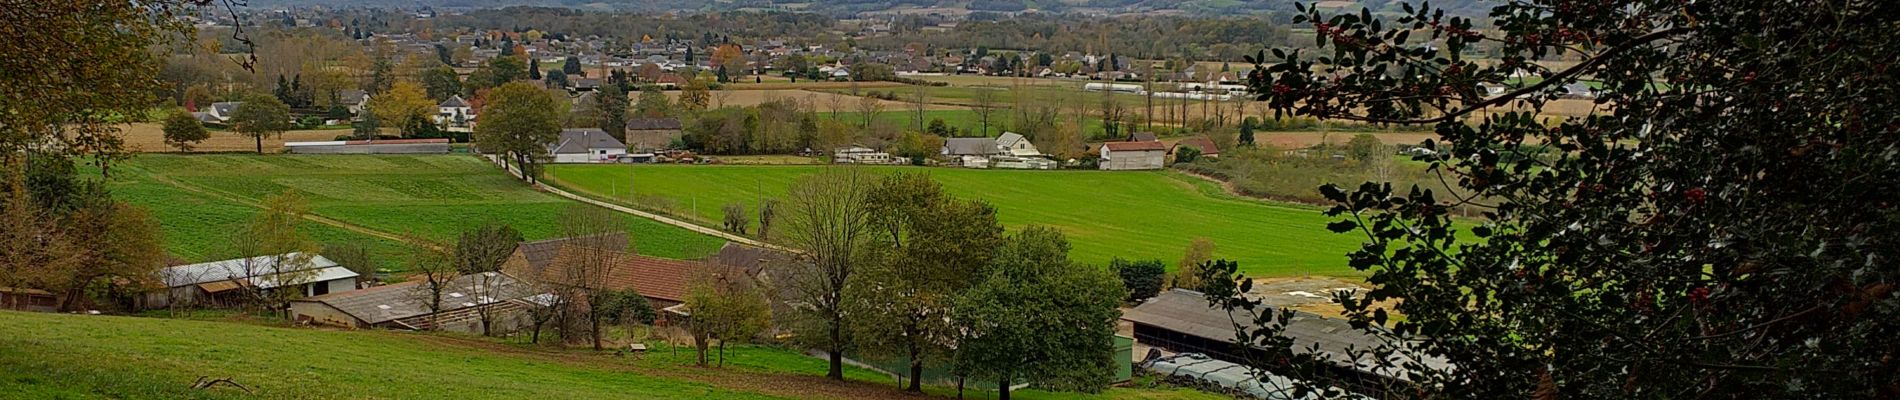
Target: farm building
[
  {"x": 860, "y": 155},
  {"x": 398, "y": 146},
  {"x": 464, "y": 300},
  {"x": 23, "y": 299},
  {"x": 1015, "y": 144},
  {"x": 1199, "y": 143},
  {"x": 218, "y": 112},
  {"x": 1181, "y": 321},
  {"x": 646, "y": 135},
  {"x": 970, "y": 152},
  {"x": 218, "y": 282},
  {"x": 1123, "y": 156},
  {"x": 661, "y": 280},
  {"x": 586, "y": 146},
  {"x": 1142, "y": 137},
  {"x": 354, "y": 99}
]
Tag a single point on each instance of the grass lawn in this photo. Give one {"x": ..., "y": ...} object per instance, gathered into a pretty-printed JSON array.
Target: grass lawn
[
  {"x": 1128, "y": 214},
  {"x": 437, "y": 196},
  {"x": 59, "y": 356}
]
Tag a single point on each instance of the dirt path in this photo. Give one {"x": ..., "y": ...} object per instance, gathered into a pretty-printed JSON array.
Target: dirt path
[{"x": 643, "y": 214}]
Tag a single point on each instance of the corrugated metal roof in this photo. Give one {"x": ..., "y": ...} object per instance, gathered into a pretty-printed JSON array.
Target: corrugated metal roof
[
  {"x": 403, "y": 300},
  {"x": 969, "y": 146},
  {"x": 192, "y": 274},
  {"x": 1188, "y": 312},
  {"x": 1135, "y": 146}
]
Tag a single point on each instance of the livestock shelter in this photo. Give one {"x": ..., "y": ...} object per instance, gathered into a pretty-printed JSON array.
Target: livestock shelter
[
  {"x": 466, "y": 303},
  {"x": 395, "y": 146},
  {"x": 222, "y": 282},
  {"x": 1182, "y": 321}
]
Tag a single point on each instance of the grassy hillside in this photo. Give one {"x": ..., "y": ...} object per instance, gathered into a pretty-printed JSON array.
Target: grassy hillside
[
  {"x": 201, "y": 198},
  {"x": 1105, "y": 214},
  {"x": 56, "y": 356}
]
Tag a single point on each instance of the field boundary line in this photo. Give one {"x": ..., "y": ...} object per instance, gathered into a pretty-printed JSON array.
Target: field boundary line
[{"x": 643, "y": 214}]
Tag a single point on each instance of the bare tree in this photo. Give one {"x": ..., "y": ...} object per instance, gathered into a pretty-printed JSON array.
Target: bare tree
[
  {"x": 276, "y": 254},
  {"x": 434, "y": 267},
  {"x": 984, "y": 108},
  {"x": 766, "y": 208},
  {"x": 586, "y": 261},
  {"x": 869, "y": 107},
  {"x": 917, "y": 103},
  {"x": 828, "y": 221}
]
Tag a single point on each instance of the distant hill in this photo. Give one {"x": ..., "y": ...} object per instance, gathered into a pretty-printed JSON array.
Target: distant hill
[{"x": 891, "y": 7}]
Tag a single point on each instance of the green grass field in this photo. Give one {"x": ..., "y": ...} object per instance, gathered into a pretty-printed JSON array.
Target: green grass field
[
  {"x": 56, "y": 356},
  {"x": 200, "y": 199},
  {"x": 1151, "y": 214}
]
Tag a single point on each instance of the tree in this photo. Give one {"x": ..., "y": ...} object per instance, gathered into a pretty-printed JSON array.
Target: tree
[
  {"x": 407, "y": 105},
  {"x": 36, "y": 255},
  {"x": 485, "y": 248},
  {"x": 695, "y": 96},
  {"x": 534, "y": 70},
  {"x": 1364, "y": 147},
  {"x": 868, "y": 108},
  {"x": 610, "y": 106},
  {"x": 260, "y": 116},
  {"x": 1706, "y": 232},
  {"x": 557, "y": 79},
  {"x": 1186, "y": 154},
  {"x": 826, "y": 219},
  {"x": 440, "y": 83},
  {"x": 571, "y": 66},
  {"x": 353, "y": 254},
  {"x": 1246, "y": 131},
  {"x": 1187, "y": 274},
  {"x": 1142, "y": 278},
  {"x": 518, "y": 122},
  {"x": 587, "y": 260},
  {"x": 274, "y": 244},
  {"x": 623, "y": 307},
  {"x": 1039, "y": 318},
  {"x": 109, "y": 59},
  {"x": 929, "y": 248},
  {"x": 724, "y": 305},
  {"x": 432, "y": 266},
  {"x": 182, "y": 130},
  {"x": 653, "y": 103},
  {"x": 735, "y": 221},
  {"x": 766, "y": 209}
]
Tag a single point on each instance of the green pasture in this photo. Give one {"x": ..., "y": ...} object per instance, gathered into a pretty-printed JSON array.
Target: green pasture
[
  {"x": 1106, "y": 214},
  {"x": 201, "y": 199}
]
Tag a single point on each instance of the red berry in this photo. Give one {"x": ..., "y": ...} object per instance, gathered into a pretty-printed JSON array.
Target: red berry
[
  {"x": 1699, "y": 296},
  {"x": 1695, "y": 195}
]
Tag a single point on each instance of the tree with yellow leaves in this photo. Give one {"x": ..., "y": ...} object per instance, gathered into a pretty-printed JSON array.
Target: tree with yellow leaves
[{"x": 406, "y": 105}]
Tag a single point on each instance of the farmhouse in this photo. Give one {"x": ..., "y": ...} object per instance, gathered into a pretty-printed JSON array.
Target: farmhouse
[
  {"x": 647, "y": 135},
  {"x": 970, "y": 152},
  {"x": 1122, "y": 156},
  {"x": 1016, "y": 145},
  {"x": 24, "y": 299},
  {"x": 353, "y": 99},
  {"x": 454, "y": 112},
  {"x": 218, "y": 282},
  {"x": 586, "y": 146},
  {"x": 217, "y": 113},
  {"x": 1181, "y": 321},
  {"x": 464, "y": 301},
  {"x": 860, "y": 155}
]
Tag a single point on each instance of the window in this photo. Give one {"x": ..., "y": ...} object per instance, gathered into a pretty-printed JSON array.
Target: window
[{"x": 319, "y": 288}]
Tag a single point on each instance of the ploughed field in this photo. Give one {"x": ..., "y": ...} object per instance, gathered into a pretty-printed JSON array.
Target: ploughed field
[
  {"x": 201, "y": 199},
  {"x": 1105, "y": 214}
]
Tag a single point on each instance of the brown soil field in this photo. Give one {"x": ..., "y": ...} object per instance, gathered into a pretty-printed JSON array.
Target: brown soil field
[
  {"x": 150, "y": 138},
  {"x": 821, "y": 101},
  {"x": 781, "y": 84}
]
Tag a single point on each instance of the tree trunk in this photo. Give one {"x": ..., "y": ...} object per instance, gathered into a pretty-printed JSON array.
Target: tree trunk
[
  {"x": 595, "y": 321},
  {"x": 260, "y": 143},
  {"x": 699, "y": 346},
  {"x": 916, "y": 375},
  {"x": 722, "y": 354},
  {"x": 1002, "y": 389},
  {"x": 836, "y": 371},
  {"x": 959, "y": 388}
]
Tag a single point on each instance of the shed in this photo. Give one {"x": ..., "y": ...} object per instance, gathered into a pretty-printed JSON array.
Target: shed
[
  {"x": 1119, "y": 156},
  {"x": 218, "y": 281},
  {"x": 397, "y": 146},
  {"x": 1201, "y": 143},
  {"x": 651, "y": 134}
]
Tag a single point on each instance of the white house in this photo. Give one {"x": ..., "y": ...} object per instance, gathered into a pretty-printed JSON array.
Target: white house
[
  {"x": 1016, "y": 145},
  {"x": 586, "y": 146},
  {"x": 454, "y": 111},
  {"x": 1132, "y": 155},
  {"x": 216, "y": 281},
  {"x": 217, "y": 113},
  {"x": 970, "y": 152}
]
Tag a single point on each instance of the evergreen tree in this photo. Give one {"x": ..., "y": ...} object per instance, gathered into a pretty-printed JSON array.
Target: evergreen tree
[
  {"x": 534, "y": 69},
  {"x": 572, "y": 66}
]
